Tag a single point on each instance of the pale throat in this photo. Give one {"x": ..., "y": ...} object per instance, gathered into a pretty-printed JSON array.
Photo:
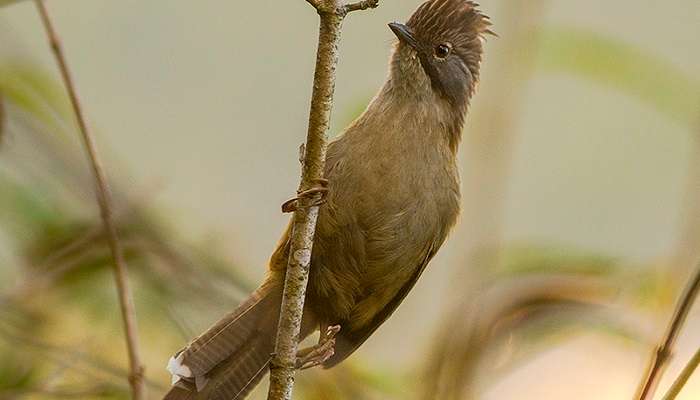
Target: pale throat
[
  {"x": 416, "y": 110},
  {"x": 412, "y": 121}
]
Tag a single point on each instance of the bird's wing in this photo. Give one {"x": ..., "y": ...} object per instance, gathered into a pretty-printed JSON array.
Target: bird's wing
[{"x": 348, "y": 340}]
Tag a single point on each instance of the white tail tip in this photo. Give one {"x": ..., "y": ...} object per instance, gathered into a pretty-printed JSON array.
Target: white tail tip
[{"x": 178, "y": 369}]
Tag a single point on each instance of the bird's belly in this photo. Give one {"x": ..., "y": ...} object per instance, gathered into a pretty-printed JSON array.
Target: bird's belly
[{"x": 361, "y": 267}]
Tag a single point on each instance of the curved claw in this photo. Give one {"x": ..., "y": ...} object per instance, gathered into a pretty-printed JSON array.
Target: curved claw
[
  {"x": 316, "y": 355},
  {"x": 321, "y": 188}
]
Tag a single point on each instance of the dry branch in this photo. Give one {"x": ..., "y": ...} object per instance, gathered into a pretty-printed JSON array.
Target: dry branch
[
  {"x": 105, "y": 204},
  {"x": 361, "y": 5},
  {"x": 664, "y": 351},
  {"x": 283, "y": 366}
]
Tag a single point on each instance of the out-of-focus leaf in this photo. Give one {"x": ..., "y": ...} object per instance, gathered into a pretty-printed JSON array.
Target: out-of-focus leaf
[
  {"x": 383, "y": 380},
  {"x": 351, "y": 381},
  {"x": 3, "y": 118},
  {"x": 26, "y": 206},
  {"x": 528, "y": 259},
  {"x": 33, "y": 90},
  {"x": 508, "y": 308},
  {"x": 548, "y": 324},
  {"x": 4, "y": 3},
  {"x": 15, "y": 373},
  {"x": 624, "y": 67},
  {"x": 19, "y": 342}
]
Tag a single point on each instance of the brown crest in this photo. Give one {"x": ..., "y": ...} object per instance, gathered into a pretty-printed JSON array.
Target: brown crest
[
  {"x": 458, "y": 22},
  {"x": 457, "y": 18}
]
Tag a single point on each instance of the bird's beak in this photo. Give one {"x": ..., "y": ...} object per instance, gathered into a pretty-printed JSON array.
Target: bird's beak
[{"x": 404, "y": 34}]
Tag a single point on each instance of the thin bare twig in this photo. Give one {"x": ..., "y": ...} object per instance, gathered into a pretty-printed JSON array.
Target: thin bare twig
[
  {"x": 104, "y": 201},
  {"x": 317, "y": 4},
  {"x": 361, "y": 5},
  {"x": 326, "y": 6},
  {"x": 659, "y": 360},
  {"x": 682, "y": 379},
  {"x": 283, "y": 365}
]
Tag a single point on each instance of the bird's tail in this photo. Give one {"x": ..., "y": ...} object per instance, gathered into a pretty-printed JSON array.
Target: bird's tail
[{"x": 230, "y": 358}]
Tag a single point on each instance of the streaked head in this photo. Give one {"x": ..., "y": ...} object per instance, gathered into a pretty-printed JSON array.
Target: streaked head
[{"x": 446, "y": 37}]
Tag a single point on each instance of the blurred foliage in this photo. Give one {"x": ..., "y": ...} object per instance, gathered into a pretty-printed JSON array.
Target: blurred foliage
[
  {"x": 623, "y": 67},
  {"x": 532, "y": 306},
  {"x": 59, "y": 252},
  {"x": 538, "y": 259},
  {"x": 34, "y": 90},
  {"x": 4, "y": 3},
  {"x": 2, "y": 116}
]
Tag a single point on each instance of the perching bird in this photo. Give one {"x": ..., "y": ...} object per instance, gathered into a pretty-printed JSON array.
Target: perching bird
[{"x": 393, "y": 198}]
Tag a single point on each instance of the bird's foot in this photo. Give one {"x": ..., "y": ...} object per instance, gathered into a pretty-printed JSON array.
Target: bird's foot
[
  {"x": 314, "y": 356},
  {"x": 320, "y": 188}
]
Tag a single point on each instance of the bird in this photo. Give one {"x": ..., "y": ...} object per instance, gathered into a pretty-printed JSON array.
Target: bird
[{"x": 393, "y": 196}]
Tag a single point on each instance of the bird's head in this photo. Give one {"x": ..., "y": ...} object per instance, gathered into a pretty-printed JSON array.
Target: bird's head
[{"x": 440, "y": 49}]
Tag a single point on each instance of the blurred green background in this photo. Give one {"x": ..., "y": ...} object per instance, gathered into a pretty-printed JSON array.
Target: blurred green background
[{"x": 581, "y": 183}]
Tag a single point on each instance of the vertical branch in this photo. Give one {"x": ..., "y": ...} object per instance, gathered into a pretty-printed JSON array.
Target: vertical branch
[
  {"x": 664, "y": 351},
  {"x": 304, "y": 220},
  {"x": 104, "y": 202},
  {"x": 283, "y": 365}
]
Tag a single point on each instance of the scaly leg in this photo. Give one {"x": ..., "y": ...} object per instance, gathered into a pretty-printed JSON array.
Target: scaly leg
[{"x": 316, "y": 355}]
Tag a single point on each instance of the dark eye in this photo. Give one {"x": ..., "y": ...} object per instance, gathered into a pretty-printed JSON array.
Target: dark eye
[{"x": 443, "y": 50}]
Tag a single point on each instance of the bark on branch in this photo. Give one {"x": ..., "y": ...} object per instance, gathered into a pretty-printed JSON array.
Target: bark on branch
[
  {"x": 283, "y": 366},
  {"x": 106, "y": 210},
  {"x": 362, "y": 5},
  {"x": 664, "y": 351}
]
